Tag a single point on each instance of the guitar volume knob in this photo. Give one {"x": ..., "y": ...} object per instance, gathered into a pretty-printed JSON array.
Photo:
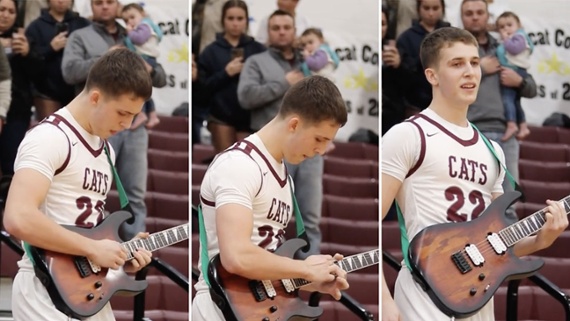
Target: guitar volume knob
[
  {"x": 90, "y": 296},
  {"x": 473, "y": 291},
  {"x": 481, "y": 276},
  {"x": 273, "y": 308},
  {"x": 98, "y": 284},
  {"x": 265, "y": 319}
]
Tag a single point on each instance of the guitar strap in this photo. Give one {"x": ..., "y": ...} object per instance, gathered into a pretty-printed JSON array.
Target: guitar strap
[
  {"x": 300, "y": 227},
  {"x": 403, "y": 233},
  {"x": 124, "y": 201}
]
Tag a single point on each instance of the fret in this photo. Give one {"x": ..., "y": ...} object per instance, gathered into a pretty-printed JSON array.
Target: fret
[
  {"x": 532, "y": 224},
  {"x": 566, "y": 205},
  {"x": 157, "y": 240},
  {"x": 356, "y": 262},
  {"x": 367, "y": 259}
]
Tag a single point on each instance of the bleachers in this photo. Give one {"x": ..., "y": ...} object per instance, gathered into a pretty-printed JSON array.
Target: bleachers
[{"x": 349, "y": 223}]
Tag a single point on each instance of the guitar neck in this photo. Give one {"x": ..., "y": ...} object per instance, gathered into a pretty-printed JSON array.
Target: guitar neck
[
  {"x": 529, "y": 225},
  {"x": 157, "y": 240},
  {"x": 349, "y": 264}
]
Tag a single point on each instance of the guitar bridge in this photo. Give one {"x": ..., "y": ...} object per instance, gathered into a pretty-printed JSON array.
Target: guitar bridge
[
  {"x": 461, "y": 262},
  {"x": 257, "y": 289}
]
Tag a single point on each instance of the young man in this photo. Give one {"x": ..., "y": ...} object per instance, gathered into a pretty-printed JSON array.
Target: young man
[
  {"x": 264, "y": 79},
  {"x": 246, "y": 210},
  {"x": 422, "y": 157},
  {"x": 62, "y": 176}
]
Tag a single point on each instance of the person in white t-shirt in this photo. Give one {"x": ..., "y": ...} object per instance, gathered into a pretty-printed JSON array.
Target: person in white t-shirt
[
  {"x": 246, "y": 195},
  {"x": 435, "y": 159},
  {"x": 63, "y": 174}
]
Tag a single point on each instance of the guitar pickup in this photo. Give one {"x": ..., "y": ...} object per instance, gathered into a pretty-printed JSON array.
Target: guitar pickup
[
  {"x": 82, "y": 266},
  {"x": 461, "y": 262},
  {"x": 258, "y": 291}
]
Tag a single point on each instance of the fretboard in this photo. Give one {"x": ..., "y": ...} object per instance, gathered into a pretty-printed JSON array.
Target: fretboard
[
  {"x": 529, "y": 225},
  {"x": 349, "y": 264},
  {"x": 158, "y": 240}
]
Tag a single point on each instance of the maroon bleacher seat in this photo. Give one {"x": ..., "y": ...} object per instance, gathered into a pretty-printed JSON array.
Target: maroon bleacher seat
[
  {"x": 348, "y": 150},
  {"x": 167, "y": 182},
  {"x": 350, "y": 232},
  {"x": 548, "y": 152},
  {"x": 168, "y": 141},
  {"x": 173, "y": 124},
  {"x": 169, "y": 206},
  {"x": 539, "y": 192},
  {"x": 350, "y": 187},
  {"x": 8, "y": 261},
  {"x": 176, "y": 256},
  {"x": 350, "y": 208},
  {"x": 168, "y": 160},
  {"x": 198, "y": 172},
  {"x": 544, "y": 171},
  {"x": 349, "y": 167},
  {"x": 195, "y": 196},
  {"x": 526, "y": 209},
  {"x": 201, "y": 152},
  {"x": 543, "y": 134}
]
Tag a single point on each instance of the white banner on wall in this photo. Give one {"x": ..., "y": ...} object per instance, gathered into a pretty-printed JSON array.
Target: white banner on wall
[
  {"x": 172, "y": 17},
  {"x": 352, "y": 31}
]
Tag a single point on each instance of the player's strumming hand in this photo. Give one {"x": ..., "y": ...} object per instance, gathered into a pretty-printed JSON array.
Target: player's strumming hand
[
  {"x": 142, "y": 257},
  {"x": 326, "y": 277},
  {"x": 390, "y": 310},
  {"x": 107, "y": 253}
]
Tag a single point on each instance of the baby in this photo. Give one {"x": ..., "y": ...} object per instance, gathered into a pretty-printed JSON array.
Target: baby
[
  {"x": 514, "y": 53},
  {"x": 319, "y": 58},
  {"x": 143, "y": 37}
]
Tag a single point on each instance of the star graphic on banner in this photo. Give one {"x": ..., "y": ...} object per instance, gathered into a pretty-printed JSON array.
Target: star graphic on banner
[
  {"x": 360, "y": 80},
  {"x": 179, "y": 55},
  {"x": 553, "y": 65}
]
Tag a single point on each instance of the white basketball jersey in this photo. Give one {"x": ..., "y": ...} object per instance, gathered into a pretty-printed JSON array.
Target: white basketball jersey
[
  {"x": 248, "y": 175},
  {"x": 448, "y": 172},
  {"x": 80, "y": 174}
]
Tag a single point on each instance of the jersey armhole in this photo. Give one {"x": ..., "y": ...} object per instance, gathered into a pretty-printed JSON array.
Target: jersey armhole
[
  {"x": 422, "y": 148},
  {"x": 56, "y": 123}
]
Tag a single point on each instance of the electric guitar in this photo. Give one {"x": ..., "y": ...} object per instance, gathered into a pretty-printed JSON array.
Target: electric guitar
[
  {"x": 461, "y": 265},
  {"x": 78, "y": 287},
  {"x": 241, "y": 299}
]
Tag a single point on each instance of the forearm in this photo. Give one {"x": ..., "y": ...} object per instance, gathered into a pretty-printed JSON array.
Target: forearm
[
  {"x": 255, "y": 263},
  {"x": 527, "y": 246},
  {"x": 37, "y": 229},
  {"x": 5, "y": 96},
  {"x": 528, "y": 87},
  {"x": 140, "y": 35}
]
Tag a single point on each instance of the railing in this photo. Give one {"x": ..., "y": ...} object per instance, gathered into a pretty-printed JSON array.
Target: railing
[
  {"x": 315, "y": 297},
  {"x": 512, "y": 289}
]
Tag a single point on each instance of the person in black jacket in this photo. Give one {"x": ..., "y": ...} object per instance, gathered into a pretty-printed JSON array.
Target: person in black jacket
[
  {"x": 48, "y": 35},
  {"x": 431, "y": 14},
  {"x": 25, "y": 63},
  {"x": 219, "y": 66}
]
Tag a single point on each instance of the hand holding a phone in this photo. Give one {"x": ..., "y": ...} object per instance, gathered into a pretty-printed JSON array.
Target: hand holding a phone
[
  {"x": 58, "y": 42},
  {"x": 20, "y": 43},
  {"x": 234, "y": 66}
]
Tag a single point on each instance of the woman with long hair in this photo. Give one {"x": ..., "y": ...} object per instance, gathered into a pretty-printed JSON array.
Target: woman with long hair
[{"x": 219, "y": 67}]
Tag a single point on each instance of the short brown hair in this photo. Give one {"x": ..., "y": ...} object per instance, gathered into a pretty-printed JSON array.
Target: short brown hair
[
  {"x": 507, "y": 14},
  {"x": 133, "y": 5},
  {"x": 120, "y": 72},
  {"x": 315, "y": 99},
  {"x": 443, "y": 38},
  {"x": 313, "y": 31}
]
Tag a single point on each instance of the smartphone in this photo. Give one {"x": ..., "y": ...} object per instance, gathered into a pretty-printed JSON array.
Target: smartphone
[
  {"x": 237, "y": 52},
  {"x": 60, "y": 27}
]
